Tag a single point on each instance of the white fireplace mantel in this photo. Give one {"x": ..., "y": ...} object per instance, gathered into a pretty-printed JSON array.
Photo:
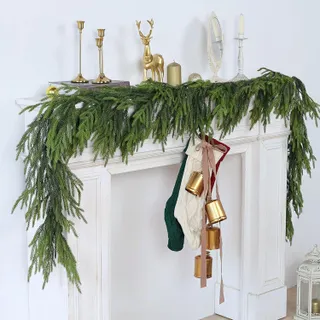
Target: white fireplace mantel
[{"x": 254, "y": 239}]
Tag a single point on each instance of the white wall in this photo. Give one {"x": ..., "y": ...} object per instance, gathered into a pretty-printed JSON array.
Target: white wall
[{"x": 39, "y": 43}]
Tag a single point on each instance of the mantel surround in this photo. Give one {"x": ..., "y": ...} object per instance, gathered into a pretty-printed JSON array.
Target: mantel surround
[{"x": 261, "y": 231}]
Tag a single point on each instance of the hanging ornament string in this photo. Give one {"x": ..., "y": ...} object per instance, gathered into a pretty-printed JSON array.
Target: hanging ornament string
[
  {"x": 207, "y": 184},
  {"x": 208, "y": 161},
  {"x": 221, "y": 298},
  {"x": 203, "y": 281}
]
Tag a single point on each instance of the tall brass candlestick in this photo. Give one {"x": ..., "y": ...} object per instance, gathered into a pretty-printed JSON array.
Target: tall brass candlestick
[
  {"x": 102, "y": 79},
  {"x": 174, "y": 74},
  {"x": 79, "y": 78}
]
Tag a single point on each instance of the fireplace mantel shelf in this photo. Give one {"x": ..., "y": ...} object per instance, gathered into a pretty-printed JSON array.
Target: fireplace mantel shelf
[{"x": 255, "y": 223}]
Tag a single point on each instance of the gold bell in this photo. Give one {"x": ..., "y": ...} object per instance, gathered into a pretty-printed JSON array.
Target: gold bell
[
  {"x": 197, "y": 266},
  {"x": 213, "y": 238},
  {"x": 195, "y": 184},
  {"x": 215, "y": 211}
]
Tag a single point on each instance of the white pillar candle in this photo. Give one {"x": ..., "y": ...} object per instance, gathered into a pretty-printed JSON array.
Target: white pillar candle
[{"x": 241, "y": 25}]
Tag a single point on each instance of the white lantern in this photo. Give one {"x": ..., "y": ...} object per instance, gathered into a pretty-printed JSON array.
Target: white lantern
[{"x": 308, "y": 291}]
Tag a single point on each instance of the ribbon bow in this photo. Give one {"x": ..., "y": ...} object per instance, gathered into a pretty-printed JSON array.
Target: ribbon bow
[{"x": 208, "y": 161}]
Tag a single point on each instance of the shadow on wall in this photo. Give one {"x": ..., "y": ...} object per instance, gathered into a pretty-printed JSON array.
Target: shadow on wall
[
  {"x": 125, "y": 62},
  {"x": 194, "y": 52},
  {"x": 61, "y": 52}
]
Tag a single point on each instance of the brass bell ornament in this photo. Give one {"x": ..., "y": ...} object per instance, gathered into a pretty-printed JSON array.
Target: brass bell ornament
[
  {"x": 197, "y": 266},
  {"x": 213, "y": 238},
  {"x": 51, "y": 90},
  {"x": 195, "y": 184},
  {"x": 215, "y": 211}
]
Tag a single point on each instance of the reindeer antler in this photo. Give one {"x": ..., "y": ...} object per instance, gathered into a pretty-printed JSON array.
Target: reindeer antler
[
  {"x": 148, "y": 36},
  {"x": 151, "y": 22}
]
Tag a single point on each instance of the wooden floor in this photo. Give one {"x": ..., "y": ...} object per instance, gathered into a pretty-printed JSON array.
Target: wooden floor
[{"x": 290, "y": 312}]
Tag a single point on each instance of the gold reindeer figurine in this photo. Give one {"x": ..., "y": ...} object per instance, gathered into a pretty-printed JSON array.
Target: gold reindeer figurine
[{"x": 155, "y": 62}]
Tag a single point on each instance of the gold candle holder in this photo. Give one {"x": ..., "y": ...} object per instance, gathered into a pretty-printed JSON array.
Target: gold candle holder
[
  {"x": 101, "y": 33},
  {"x": 197, "y": 266},
  {"x": 315, "y": 306},
  {"x": 102, "y": 79},
  {"x": 79, "y": 78},
  {"x": 215, "y": 211},
  {"x": 195, "y": 184},
  {"x": 213, "y": 238}
]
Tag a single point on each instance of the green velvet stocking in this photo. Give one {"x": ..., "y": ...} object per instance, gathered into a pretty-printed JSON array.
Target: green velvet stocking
[{"x": 175, "y": 233}]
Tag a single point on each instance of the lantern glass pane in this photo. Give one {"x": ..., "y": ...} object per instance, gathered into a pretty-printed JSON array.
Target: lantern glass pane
[
  {"x": 304, "y": 296},
  {"x": 315, "y": 308}
]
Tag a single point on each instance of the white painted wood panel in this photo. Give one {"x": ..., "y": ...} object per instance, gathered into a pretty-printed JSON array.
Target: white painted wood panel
[
  {"x": 148, "y": 280},
  {"x": 273, "y": 210},
  {"x": 230, "y": 185},
  {"x": 91, "y": 248}
]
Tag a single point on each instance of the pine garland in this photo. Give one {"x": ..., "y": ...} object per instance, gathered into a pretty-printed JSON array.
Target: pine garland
[{"x": 122, "y": 118}]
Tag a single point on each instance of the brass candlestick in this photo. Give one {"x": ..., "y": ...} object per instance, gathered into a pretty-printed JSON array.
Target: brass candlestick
[
  {"x": 79, "y": 78},
  {"x": 101, "y": 33},
  {"x": 102, "y": 79}
]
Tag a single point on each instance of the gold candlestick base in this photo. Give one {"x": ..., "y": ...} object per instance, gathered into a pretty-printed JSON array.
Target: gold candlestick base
[
  {"x": 102, "y": 79},
  {"x": 79, "y": 79}
]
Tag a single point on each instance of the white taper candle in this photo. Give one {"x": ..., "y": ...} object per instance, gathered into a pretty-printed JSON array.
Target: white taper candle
[{"x": 241, "y": 25}]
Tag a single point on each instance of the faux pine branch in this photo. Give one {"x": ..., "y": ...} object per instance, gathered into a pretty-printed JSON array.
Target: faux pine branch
[{"x": 122, "y": 118}]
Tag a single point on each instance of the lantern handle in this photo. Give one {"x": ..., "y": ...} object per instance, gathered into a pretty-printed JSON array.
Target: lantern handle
[{"x": 314, "y": 255}]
